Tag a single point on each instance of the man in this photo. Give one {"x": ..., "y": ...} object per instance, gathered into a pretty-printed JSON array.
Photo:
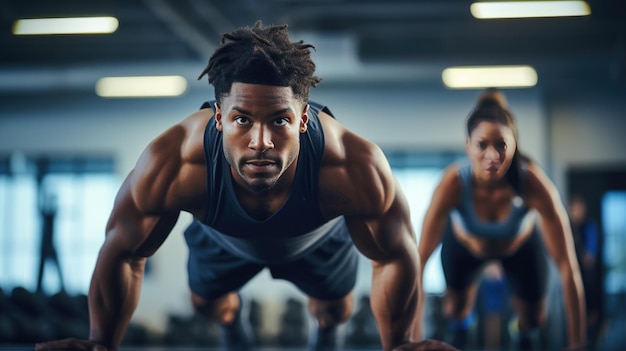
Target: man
[
  {"x": 272, "y": 181},
  {"x": 47, "y": 249}
]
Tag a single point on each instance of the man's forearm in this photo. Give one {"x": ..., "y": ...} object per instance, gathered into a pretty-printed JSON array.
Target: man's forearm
[
  {"x": 394, "y": 298},
  {"x": 113, "y": 297}
]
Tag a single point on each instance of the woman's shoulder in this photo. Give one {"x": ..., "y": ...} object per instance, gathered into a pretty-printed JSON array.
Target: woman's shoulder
[
  {"x": 539, "y": 188},
  {"x": 451, "y": 185}
]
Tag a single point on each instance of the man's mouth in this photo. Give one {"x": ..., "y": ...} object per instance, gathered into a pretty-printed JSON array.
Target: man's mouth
[{"x": 260, "y": 165}]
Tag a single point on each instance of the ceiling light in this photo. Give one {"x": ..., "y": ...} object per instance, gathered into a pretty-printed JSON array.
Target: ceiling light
[
  {"x": 524, "y": 9},
  {"x": 489, "y": 77},
  {"x": 75, "y": 25},
  {"x": 146, "y": 86}
]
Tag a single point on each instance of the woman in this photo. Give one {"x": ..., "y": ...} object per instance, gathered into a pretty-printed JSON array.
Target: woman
[{"x": 488, "y": 210}]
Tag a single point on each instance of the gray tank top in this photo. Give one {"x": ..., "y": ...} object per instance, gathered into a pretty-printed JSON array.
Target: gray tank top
[{"x": 465, "y": 216}]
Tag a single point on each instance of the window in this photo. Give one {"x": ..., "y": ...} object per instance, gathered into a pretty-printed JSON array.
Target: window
[
  {"x": 614, "y": 224},
  {"x": 80, "y": 191}
]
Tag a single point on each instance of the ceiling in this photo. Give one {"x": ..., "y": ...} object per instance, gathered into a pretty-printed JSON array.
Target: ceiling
[{"x": 357, "y": 41}]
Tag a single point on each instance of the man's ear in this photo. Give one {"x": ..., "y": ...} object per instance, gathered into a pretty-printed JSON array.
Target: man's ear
[
  {"x": 304, "y": 119},
  {"x": 467, "y": 144},
  {"x": 218, "y": 117}
]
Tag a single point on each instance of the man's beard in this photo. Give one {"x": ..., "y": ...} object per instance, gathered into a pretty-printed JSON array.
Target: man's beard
[
  {"x": 259, "y": 184},
  {"x": 263, "y": 186}
]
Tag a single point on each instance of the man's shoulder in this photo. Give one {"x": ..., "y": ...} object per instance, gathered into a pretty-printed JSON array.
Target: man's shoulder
[
  {"x": 318, "y": 107},
  {"x": 182, "y": 144},
  {"x": 207, "y": 104},
  {"x": 357, "y": 179}
]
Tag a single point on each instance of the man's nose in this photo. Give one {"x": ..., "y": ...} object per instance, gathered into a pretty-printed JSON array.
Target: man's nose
[{"x": 261, "y": 138}]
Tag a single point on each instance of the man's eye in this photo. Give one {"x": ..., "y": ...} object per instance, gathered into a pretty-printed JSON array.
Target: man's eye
[
  {"x": 242, "y": 120},
  {"x": 281, "y": 122}
]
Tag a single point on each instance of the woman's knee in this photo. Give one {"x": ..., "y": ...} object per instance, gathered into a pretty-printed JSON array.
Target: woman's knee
[
  {"x": 459, "y": 304},
  {"x": 530, "y": 314}
]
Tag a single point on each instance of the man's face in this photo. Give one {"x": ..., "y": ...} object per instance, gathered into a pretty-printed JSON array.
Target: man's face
[{"x": 261, "y": 128}]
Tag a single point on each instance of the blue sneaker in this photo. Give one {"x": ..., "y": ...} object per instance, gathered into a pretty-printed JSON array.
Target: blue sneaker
[
  {"x": 460, "y": 332},
  {"x": 524, "y": 340}
]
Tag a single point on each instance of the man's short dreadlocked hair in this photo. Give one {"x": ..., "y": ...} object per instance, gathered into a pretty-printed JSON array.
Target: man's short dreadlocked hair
[{"x": 260, "y": 55}]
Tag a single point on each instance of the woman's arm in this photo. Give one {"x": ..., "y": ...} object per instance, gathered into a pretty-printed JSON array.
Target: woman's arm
[{"x": 544, "y": 197}]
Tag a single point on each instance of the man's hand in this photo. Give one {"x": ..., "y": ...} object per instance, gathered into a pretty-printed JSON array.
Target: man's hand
[
  {"x": 426, "y": 345},
  {"x": 71, "y": 344},
  {"x": 575, "y": 348}
]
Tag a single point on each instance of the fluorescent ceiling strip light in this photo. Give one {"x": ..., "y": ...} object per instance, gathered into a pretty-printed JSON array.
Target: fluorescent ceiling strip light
[
  {"x": 525, "y": 9},
  {"x": 146, "y": 86},
  {"x": 489, "y": 77},
  {"x": 75, "y": 25}
]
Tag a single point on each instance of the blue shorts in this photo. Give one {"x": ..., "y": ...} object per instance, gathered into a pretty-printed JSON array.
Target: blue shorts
[{"x": 327, "y": 272}]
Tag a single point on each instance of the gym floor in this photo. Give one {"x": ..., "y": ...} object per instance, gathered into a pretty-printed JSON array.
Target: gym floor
[
  {"x": 188, "y": 334},
  {"x": 169, "y": 348}
]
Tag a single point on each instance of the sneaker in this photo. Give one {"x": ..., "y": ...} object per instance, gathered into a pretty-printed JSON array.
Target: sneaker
[{"x": 459, "y": 338}]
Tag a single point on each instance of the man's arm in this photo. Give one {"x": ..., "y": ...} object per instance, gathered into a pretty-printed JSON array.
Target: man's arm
[
  {"x": 116, "y": 282},
  {"x": 388, "y": 240},
  {"x": 543, "y": 195},
  {"x": 146, "y": 209},
  {"x": 444, "y": 198},
  {"x": 131, "y": 236},
  {"x": 356, "y": 181}
]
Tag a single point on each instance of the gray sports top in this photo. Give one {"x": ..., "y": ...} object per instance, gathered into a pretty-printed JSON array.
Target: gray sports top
[{"x": 465, "y": 216}]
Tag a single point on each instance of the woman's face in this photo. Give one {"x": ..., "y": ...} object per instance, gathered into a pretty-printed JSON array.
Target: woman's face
[{"x": 490, "y": 148}]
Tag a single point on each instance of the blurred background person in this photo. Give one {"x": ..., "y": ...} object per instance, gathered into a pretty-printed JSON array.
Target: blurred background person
[
  {"x": 587, "y": 241},
  {"x": 47, "y": 250},
  {"x": 48, "y": 207}
]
